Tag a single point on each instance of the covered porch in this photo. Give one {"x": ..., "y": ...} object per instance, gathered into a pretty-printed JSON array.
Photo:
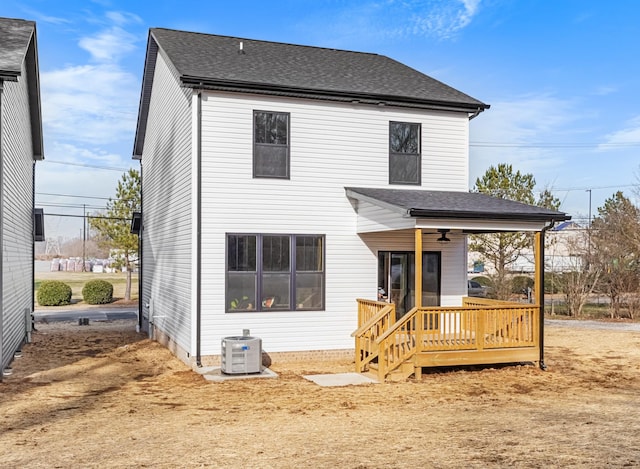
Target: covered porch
[{"x": 474, "y": 331}]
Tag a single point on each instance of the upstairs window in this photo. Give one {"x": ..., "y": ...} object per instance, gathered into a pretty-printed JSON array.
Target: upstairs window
[
  {"x": 404, "y": 153},
  {"x": 270, "y": 144}
]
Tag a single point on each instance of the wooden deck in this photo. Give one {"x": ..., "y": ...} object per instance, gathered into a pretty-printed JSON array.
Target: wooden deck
[{"x": 481, "y": 331}]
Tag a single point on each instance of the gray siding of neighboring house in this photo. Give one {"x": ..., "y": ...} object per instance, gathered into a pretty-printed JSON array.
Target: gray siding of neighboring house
[
  {"x": 17, "y": 215},
  {"x": 167, "y": 277}
]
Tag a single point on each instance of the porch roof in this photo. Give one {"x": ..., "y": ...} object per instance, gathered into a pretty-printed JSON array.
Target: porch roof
[{"x": 471, "y": 212}]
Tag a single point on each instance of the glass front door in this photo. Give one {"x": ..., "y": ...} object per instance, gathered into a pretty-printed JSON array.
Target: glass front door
[{"x": 396, "y": 279}]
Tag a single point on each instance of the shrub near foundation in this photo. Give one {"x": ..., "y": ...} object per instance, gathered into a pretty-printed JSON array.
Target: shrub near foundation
[
  {"x": 54, "y": 293},
  {"x": 97, "y": 292}
]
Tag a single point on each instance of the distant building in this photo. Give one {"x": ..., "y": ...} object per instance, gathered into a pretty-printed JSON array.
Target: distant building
[{"x": 565, "y": 243}]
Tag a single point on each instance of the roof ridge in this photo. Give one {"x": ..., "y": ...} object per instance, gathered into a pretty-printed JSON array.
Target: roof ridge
[{"x": 267, "y": 41}]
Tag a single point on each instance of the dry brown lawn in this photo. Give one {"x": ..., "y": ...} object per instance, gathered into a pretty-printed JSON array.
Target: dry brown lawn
[{"x": 104, "y": 396}]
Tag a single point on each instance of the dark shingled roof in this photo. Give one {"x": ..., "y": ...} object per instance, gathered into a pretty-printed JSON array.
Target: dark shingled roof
[
  {"x": 458, "y": 205},
  {"x": 262, "y": 66},
  {"x": 15, "y": 36},
  {"x": 18, "y": 47}
]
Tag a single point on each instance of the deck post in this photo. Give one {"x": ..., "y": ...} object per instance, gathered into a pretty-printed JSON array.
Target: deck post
[
  {"x": 539, "y": 291},
  {"x": 418, "y": 262}
]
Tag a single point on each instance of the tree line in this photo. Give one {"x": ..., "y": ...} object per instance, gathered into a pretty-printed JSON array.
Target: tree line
[{"x": 604, "y": 256}]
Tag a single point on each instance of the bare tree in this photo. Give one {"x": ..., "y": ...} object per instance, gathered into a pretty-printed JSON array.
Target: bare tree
[
  {"x": 616, "y": 246},
  {"x": 581, "y": 275}
]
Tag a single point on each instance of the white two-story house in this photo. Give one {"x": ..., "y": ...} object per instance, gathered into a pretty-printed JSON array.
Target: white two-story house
[
  {"x": 280, "y": 183},
  {"x": 20, "y": 147}
]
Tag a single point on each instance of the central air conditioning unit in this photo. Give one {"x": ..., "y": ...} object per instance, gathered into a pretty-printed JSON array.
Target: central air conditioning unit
[{"x": 241, "y": 355}]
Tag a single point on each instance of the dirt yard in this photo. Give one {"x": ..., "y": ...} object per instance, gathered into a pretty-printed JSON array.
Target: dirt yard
[{"x": 103, "y": 396}]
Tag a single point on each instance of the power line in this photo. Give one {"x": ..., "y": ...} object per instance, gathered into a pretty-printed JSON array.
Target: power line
[
  {"x": 77, "y": 196},
  {"x": 62, "y": 205},
  {"x": 108, "y": 168},
  {"x": 592, "y": 187},
  {"x": 551, "y": 145},
  {"x": 85, "y": 216}
]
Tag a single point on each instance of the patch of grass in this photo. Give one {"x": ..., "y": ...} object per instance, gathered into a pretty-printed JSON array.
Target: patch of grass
[
  {"x": 77, "y": 280},
  {"x": 594, "y": 311}
]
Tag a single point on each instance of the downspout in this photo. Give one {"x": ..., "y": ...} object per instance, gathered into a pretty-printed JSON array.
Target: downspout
[
  {"x": 199, "y": 232},
  {"x": 140, "y": 258},
  {"x": 540, "y": 294},
  {"x": 475, "y": 113},
  {"x": 33, "y": 244}
]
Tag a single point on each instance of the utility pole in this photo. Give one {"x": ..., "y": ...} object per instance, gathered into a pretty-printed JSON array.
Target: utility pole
[
  {"x": 589, "y": 226},
  {"x": 589, "y": 191},
  {"x": 84, "y": 235}
]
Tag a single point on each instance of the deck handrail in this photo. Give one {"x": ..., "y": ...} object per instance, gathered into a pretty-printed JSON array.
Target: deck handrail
[
  {"x": 384, "y": 312},
  {"x": 485, "y": 325},
  {"x": 369, "y": 308},
  {"x": 397, "y": 344},
  {"x": 370, "y": 329}
]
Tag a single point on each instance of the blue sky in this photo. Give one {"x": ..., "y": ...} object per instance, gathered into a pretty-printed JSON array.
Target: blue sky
[{"x": 562, "y": 78}]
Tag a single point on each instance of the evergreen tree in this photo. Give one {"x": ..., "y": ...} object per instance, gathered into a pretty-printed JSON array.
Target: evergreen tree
[
  {"x": 503, "y": 249},
  {"x": 114, "y": 225}
]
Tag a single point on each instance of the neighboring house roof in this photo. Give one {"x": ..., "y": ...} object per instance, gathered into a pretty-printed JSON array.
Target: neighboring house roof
[
  {"x": 251, "y": 66},
  {"x": 567, "y": 225},
  {"x": 18, "y": 46},
  {"x": 454, "y": 205}
]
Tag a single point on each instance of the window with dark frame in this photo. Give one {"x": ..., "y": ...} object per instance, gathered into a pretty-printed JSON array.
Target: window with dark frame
[
  {"x": 267, "y": 272},
  {"x": 404, "y": 153},
  {"x": 270, "y": 144}
]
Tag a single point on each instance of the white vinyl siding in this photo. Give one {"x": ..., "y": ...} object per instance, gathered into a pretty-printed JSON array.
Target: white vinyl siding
[
  {"x": 373, "y": 218},
  {"x": 167, "y": 208},
  {"x": 332, "y": 146},
  {"x": 17, "y": 216}
]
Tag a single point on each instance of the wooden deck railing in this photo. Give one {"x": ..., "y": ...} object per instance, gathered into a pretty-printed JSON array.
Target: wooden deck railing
[
  {"x": 374, "y": 318},
  {"x": 479, "y": 326}
]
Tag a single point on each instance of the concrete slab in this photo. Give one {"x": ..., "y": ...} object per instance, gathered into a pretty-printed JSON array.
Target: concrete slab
[
  {"x": 340, "y": 379},
  {"x": 214, "y": 373}
]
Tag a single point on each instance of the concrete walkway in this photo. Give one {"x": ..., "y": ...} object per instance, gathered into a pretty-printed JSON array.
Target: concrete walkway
[{"x": 94, "y": 314}]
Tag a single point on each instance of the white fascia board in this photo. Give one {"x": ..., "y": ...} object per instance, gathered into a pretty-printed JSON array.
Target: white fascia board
[{"x": 479, "y": 225}]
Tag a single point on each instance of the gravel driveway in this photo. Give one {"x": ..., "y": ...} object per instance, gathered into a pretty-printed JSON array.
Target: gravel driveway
[{"x": 612, "y": 326}]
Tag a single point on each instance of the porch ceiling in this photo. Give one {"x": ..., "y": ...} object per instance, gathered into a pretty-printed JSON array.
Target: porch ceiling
[{"x": 469, "y": 212}]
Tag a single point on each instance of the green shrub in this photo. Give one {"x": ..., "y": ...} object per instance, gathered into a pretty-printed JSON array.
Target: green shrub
[
  {"x": 520, "y": 283},
  {"x": 97, "y": 292},
  {"x": 484, "y": 281},
  {"x": 54, "y": 293}
]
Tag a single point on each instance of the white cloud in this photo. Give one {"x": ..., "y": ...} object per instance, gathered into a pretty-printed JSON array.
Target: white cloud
[
  {"x": 442, "y": 19},
  {"x": 90, "y": 103},
  {"x": 629, "y": 136},
  {"x": 95, "y": 156},
  {"x": 369, "y": 22},
  {"x": 94, "y": 103},
  {"x": 518, "y": 131},
  {"x": 122, "y": 17},
  {"x": 109, "y": 45},
  {"x": 42, "y": 18},
  {"x": 605, "y": 90}
]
